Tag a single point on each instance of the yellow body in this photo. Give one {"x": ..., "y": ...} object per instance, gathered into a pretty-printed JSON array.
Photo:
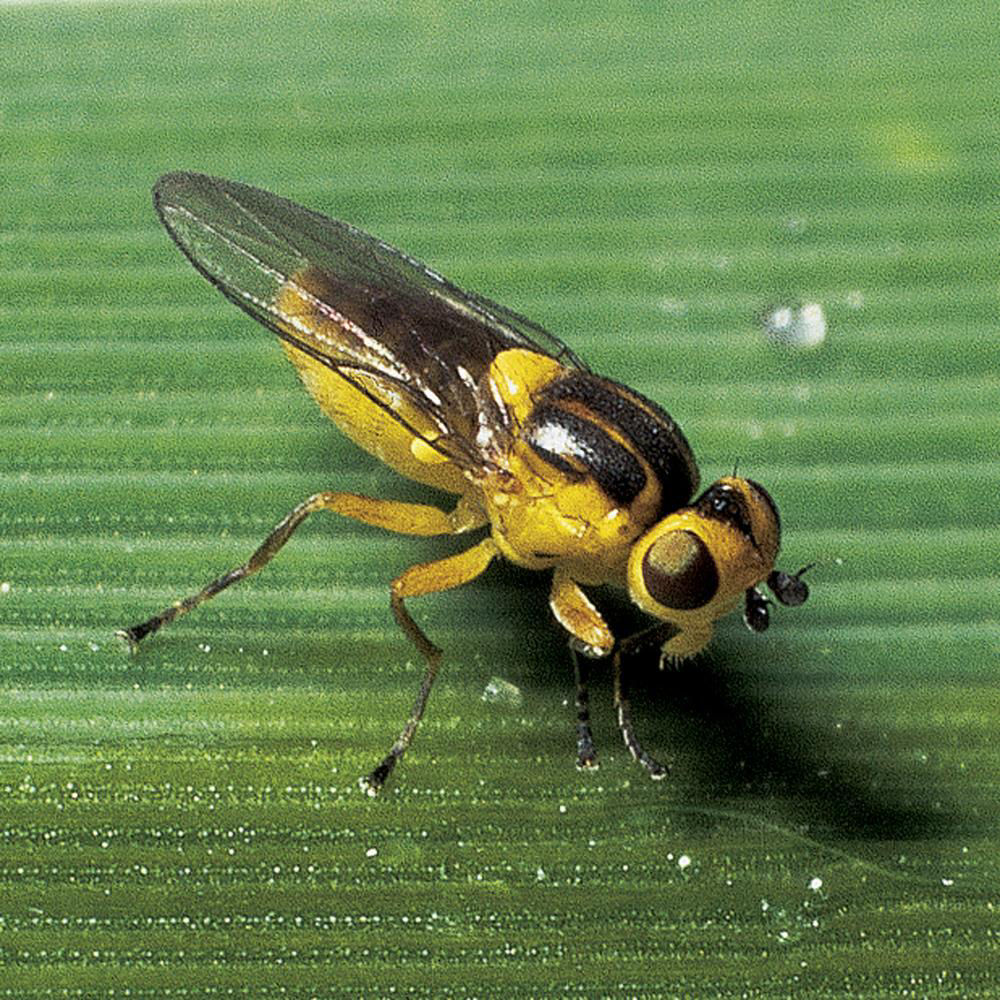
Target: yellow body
[
  {"x": 539, "y": 517},
  {"x": 361, "y": 419},
  {"x": 531, "y": 507}
]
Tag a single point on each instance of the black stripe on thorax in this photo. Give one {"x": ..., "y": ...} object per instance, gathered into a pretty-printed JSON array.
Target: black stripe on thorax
[
  {"x": 579, "y": 447},
  {"x": 648, "y": 428}
]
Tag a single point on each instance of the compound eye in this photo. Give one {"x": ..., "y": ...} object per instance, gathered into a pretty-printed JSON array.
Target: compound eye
[{"x": 679, "y": 572}]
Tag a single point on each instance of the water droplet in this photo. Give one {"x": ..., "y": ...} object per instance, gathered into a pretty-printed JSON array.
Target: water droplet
[
  {"x": 802, "y": 325},
  {"x": 499, "y": 691}
]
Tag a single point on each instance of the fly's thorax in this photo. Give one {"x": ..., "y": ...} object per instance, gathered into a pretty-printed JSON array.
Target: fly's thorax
[
  {"x": 695, "y": 565},
  {"x": 540, "y": 522},
  {"x": 590, "y": 465}
]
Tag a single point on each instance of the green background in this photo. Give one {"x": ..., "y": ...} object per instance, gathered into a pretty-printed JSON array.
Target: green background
[{"x": 644, "y": 180}]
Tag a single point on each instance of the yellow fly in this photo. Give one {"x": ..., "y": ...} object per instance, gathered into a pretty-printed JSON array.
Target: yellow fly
[{"x": 565, "y": 470}]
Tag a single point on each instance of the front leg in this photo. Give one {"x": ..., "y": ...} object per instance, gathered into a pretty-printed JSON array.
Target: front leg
[
  {"x": 589, "y": 633},
  {"x": 590, "y": 637},
  {"x": 586, "y": 752}
]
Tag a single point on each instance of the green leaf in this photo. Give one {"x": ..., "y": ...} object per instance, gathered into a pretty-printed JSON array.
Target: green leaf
[{"x": 649, "y": 184}]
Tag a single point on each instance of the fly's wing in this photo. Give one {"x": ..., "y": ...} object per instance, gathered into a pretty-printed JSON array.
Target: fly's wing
[{"x": 396, "y": 324}]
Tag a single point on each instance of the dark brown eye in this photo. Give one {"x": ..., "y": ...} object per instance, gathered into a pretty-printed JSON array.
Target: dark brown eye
[{"x": 679, "y": 572}]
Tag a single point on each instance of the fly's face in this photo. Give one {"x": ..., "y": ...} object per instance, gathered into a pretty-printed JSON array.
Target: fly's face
[{"x": 694, "y": 566}]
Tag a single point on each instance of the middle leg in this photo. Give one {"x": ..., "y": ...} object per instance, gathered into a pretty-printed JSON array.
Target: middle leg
[
  {"x": 655, "y": 635},
  {"x": 425, "y": 578},
  {"x": 586, "y": 752}
]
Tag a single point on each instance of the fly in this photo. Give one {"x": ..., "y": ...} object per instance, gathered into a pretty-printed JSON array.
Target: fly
[{"x": 554, "y": 467}]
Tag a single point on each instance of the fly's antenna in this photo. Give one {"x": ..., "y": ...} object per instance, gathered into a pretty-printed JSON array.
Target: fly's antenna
[{"x": 790, "y": 588}]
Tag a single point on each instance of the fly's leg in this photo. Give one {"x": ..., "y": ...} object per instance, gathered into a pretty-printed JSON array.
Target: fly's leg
[
  {"x": 260, "y": 558},
  {"x": 657, "y": 634},
  {"x": 426, "y": 578},
  {"x": 406, "y": 518},
  {"x": 586, "y": 753},
  {"x": 589, "y": 637}
]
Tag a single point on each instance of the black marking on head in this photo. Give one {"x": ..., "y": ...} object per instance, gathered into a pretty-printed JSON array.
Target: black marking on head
[
  {"x": 723, "y": 502},
  {"x": 678, "y": 571},
  {"x": 648, "y": 428},
  {"x": 578, "y": 447}
]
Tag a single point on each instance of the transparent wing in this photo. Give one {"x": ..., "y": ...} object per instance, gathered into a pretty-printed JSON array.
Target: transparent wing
[{"x": 369, "y": 312}]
